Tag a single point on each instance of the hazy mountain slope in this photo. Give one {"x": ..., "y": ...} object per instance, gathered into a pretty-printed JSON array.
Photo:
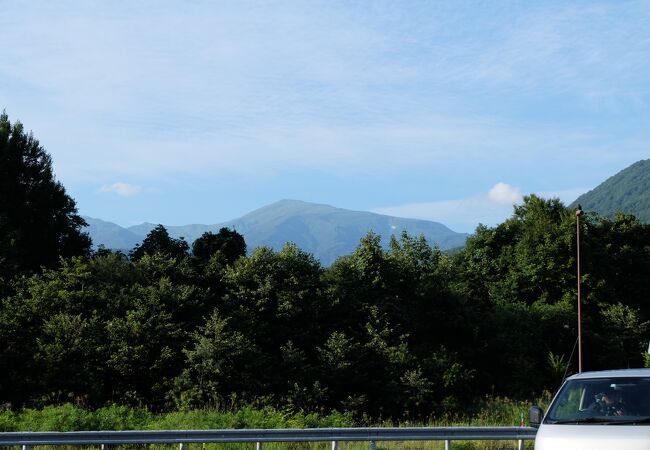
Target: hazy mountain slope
[
  {"x": 325, "y": 231},
  {"x": 330, "y": 232},
  {"x": 189, "y": 232},
  {"x": 628, "y": 191},
  {"x": 110, "y": 234}
]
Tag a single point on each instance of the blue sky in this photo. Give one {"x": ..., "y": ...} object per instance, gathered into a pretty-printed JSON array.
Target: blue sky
[{"x": 201, "y": 111}]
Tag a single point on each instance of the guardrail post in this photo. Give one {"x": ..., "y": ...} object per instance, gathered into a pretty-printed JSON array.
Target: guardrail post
[
  {"x": 258, "y": 446},
  {"x": 373, "y": 445},
  {"x": 520, "y": 444},
  {"x": 182, "y": 446},
  {"x": 335, "y": 445},
  {"x": 447, "y": 444},
  {"x": 25, "y": 447}
]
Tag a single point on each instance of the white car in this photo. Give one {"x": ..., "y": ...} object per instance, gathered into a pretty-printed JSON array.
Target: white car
[{"x": 605, "y": 410}]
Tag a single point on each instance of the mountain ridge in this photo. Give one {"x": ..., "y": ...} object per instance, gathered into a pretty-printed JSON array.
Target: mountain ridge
[
  {"x": 325, "y": 231},
  {"x": 628, "y": 191}
]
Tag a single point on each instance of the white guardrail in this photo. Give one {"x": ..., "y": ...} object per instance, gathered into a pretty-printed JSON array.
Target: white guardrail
[{"x": 104, "y": 439}]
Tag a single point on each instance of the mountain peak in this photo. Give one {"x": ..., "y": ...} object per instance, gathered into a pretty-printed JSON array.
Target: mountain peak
[{"x": 291, "y": 203}]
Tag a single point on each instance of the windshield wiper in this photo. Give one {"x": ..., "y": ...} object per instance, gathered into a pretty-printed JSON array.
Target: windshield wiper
[
  {"x": 598, "y": 420},
  {"x": 639, "y": 421}
]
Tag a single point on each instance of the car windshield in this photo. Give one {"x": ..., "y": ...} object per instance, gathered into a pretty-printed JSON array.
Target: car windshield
[{"x": 614, "y": 401}]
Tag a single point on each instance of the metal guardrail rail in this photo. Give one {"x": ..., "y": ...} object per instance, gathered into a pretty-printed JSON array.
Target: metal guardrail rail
[{"x": 333, "y": 435}]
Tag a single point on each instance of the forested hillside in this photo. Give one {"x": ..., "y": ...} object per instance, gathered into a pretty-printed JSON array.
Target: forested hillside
[
  {"x": 400, "y": 332},
  {"x": 628, "y": 192}
]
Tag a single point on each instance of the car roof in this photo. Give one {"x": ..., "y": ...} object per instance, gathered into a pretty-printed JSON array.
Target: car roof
[{"x": 611, "y": 374}]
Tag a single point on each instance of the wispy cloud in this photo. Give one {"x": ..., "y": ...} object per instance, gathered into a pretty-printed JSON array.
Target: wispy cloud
[
  {"x": 122, "y": 189},
  {"x": 288, "y": 86},
  {"x": 508, "y": 90},
  {"x": 588, "y": 52},
  {"x": 442, "y": 143},
  {"x": 490, "y": 208},
  {"x": 462, "y": 214}
]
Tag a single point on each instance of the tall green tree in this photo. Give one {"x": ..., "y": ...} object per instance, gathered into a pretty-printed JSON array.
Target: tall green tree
[
  {"x": 159, "y": 241},
  {"x": 228, "y": 242},
  {"x": 520, "y": 277},
  {"x": 38, "y": 219},
  {"x": 616, "y": 288},
  {"x": 260, "y": 342},
  {"x": 393, "y": 348}
]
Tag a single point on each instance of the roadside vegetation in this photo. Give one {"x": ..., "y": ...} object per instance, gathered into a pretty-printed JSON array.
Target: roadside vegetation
[{"x": 67, "y": 417}]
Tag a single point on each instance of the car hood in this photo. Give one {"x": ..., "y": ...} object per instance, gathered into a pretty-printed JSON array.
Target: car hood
[{"x": 593, "y": 437}]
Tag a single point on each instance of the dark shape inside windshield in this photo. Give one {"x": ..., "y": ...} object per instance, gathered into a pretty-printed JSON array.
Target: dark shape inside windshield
[{"x": 609, "y": 401}]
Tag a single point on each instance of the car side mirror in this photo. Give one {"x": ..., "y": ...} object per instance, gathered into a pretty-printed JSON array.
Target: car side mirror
[{"x": 535, "y": 416}]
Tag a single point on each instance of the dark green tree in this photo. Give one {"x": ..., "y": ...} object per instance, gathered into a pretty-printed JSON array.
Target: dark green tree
[
  {"x": 616, "y": 288},
  {"x": 519, "y": 278},
  {"x": 159, "y": 241},
  {"x": 96, "y": 330},
  {"x": 38, "y": 220},
  {"x": 230, "y": 243},
  {"x": 265, "y": 330},
  {"x": 216, "y": 365},
  {"x": 397, "y": 323}
]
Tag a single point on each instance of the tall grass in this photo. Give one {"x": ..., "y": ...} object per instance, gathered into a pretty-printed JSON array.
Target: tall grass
[{"x": 68, "y": 417}]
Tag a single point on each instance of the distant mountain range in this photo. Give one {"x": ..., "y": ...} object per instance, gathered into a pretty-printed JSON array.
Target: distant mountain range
[
  {"x": 324, "y": 231},
  {"x": 328, "y": 232},
  {"x": 628, "y": 191}
]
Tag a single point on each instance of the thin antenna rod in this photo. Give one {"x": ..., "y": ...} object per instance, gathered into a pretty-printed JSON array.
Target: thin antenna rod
[{"x": 578, "y": 214}]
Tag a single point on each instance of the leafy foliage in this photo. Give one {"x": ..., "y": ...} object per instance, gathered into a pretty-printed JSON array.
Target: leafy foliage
[
  {"x": 38, "y": 220},
  {"x": 159, "y": 241},
  {"x": 228, "y": 242}
]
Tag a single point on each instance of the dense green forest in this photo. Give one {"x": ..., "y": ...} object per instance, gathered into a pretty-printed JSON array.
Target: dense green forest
[
  {"x": 628, "y": 191},
  {"x": 406, "y": 331}
]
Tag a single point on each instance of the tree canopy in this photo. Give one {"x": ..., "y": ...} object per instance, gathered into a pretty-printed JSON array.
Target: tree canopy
[
  {"x": 228, "y": 242},
  {"x": 159, "y": 241},
  {"x": 404, "y": 331},
  {"x": 38, "y": 220}
]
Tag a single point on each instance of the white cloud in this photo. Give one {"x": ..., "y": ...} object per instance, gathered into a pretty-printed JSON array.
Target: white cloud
[
  {"x": 123, "y": 189},
  {"x": 504, "y": 194}
]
